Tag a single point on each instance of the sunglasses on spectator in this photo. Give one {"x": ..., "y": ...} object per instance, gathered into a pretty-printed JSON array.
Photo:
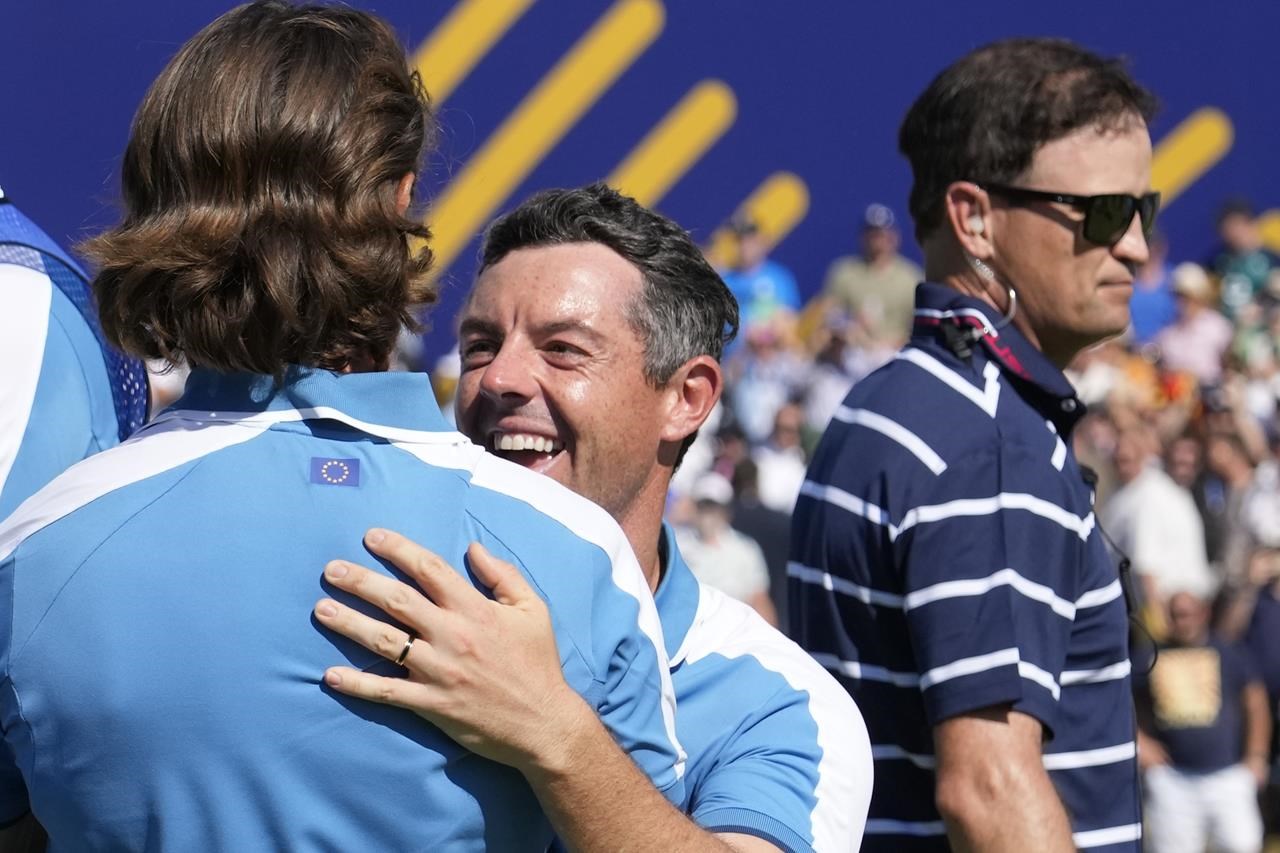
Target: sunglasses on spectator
[{"x": 1106, "y": 217}]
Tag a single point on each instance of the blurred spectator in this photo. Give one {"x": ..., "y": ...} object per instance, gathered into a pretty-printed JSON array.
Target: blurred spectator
[
  {"x": 878, "y": 286},
  {"x": 761, "y": 377},
  {"x": 762, "y": 286},
  {"x": 1197, "y": 340},
  {"x": 720, "y": 556},
  {"x": 1184, "y": 462},
  {"x": 1094, "y": 443},
  {"x": 1153, "y": 306},
  {"x": 700, "y": 455},
  {"x": 843, "y": 354},
  {"x": 1241, "y": 263},
  {"x": 1204, "y": 727},
  {"x": 781, "y": 461},
  {"x": 1154, "y": 521},
  {"x": 1248, "y": 503},
  {"x": 771, "y": 530}
]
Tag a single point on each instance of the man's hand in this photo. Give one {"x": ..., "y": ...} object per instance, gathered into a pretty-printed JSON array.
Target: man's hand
[
  {"x": 484, "y": 671},
  {"x": 1151, "y": 753},
  {"x": 487, "y": 673}
]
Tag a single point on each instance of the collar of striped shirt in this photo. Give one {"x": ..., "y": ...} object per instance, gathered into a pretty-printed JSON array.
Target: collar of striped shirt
[
  {"x": 1046, "y": 387},
  {"x": 394, "y": 399}
]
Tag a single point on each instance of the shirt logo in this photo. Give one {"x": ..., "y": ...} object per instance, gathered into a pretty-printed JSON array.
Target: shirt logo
[{"x": 335, "y": 472}]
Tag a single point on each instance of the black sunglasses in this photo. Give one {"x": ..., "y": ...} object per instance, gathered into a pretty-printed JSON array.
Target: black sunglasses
[{"x": 1106, "y": 217}]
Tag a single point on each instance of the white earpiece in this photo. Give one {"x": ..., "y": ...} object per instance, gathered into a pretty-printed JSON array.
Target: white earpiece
[{"x": 977, "y": 225}]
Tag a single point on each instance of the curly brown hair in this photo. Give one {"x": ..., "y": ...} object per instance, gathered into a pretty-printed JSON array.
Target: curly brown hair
[{"x": 260, "y": 188}]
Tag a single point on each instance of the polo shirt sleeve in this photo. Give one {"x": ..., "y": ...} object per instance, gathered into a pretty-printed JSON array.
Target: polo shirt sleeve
[
  {"x": 989, "y": 556},
  {"x": 796, "y": 772}
]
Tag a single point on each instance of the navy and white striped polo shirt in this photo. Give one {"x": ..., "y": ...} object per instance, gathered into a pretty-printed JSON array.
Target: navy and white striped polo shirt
[{"x": 945, "y": 558}]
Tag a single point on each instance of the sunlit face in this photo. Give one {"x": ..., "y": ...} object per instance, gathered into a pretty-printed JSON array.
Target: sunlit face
[
  {"x": 1074, "y": 293},
  {"x": 1183, "y": 463},
  {"x": 552, "y": 372},
  {"x": 1188, "y": 618}
]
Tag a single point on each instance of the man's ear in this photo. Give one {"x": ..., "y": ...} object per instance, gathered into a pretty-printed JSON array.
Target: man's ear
[
  {"x": 404, "y": 193},
  {"x": 693, "y": 391},
  {"x": 967, "y": 213}
]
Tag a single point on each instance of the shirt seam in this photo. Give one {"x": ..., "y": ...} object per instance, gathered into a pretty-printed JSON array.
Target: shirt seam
[
  {"x": 533, "y": 581},
  {"x": 35, "y": 628}
]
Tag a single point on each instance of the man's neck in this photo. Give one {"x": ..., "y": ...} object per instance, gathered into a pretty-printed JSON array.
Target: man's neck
[
  {"x": 996, "y": 294},
  {"x": 642, "y": 523}
]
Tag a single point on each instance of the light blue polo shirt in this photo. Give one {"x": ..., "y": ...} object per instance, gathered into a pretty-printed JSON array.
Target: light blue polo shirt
[
  {"x": 160, "y": 670},
  {"x": 777, "y": 748},
  {"x": 66, "y": 394}
]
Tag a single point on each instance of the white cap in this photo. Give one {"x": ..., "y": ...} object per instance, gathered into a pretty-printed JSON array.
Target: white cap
[{"x": 713, "y": 487}]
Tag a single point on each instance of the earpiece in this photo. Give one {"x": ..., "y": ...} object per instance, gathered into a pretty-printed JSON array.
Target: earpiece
[{"x": 977, "y": 225}]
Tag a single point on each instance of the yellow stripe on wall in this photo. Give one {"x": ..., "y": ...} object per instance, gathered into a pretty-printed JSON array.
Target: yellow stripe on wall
[
  {"x": 777, "y": 206},
  {"x": 1189, "y": 150},
  {"x": 671, "y": 148},
  {"x": 540, "y": 121},
  {"x": 466, "y": 34}
]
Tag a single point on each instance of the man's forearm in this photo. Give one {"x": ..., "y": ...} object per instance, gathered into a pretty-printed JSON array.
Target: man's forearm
[
  {"x": 598, "y": 800},
  {"x": 992, "y": 790},
  {"x": 1257, "y": 716},
  {"x": 1007, "y": 818}
]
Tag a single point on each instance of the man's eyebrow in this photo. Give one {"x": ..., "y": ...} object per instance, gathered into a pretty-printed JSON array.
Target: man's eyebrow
[
  {"x": 476, "y": 326},
  {"x": 557, "y": 327}
]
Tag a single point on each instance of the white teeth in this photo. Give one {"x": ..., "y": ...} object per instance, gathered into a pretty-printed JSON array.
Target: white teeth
[{"x": 525, "y": 441}]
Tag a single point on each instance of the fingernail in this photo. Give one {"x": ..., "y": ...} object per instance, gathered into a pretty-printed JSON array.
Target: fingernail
[
  {"x": 326, "y": 608},
  {"x": 332, "y": 678},
  {"x": 335, "y": 570},
  {"x": 375, "y": 536}
]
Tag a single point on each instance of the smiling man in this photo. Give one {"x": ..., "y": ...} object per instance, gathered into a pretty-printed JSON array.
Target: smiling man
[
  {"x": 590, "y": 350},
  {"x": 946, "y": 560}
]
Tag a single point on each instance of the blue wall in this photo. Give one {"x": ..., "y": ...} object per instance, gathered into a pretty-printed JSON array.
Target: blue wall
[{"x": 820, "y": 90}]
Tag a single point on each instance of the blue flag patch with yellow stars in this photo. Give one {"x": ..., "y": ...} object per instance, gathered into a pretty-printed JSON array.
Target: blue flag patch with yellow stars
[{"x": 335, "y": 472}]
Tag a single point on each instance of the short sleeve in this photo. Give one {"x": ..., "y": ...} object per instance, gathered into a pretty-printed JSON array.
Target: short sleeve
[
  {"x": 990, "y": 560},
  {"x": 797, "y": 773}
]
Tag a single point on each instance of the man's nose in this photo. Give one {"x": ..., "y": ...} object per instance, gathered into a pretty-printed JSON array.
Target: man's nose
[
  {"x": 1133, "y": 247},
  {"x": 509, "y": 375}
]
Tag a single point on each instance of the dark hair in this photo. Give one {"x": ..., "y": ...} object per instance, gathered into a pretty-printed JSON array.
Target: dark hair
[
  {"x": 984, "y": 117},
  {"x": 1235, "y": 206},
  {"x": 259, "y": 186},
  {"x": 684, "y": 309}
]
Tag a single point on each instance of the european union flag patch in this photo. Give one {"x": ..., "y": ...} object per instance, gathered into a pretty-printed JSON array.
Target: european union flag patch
[{"x": 335, "y": 472}]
